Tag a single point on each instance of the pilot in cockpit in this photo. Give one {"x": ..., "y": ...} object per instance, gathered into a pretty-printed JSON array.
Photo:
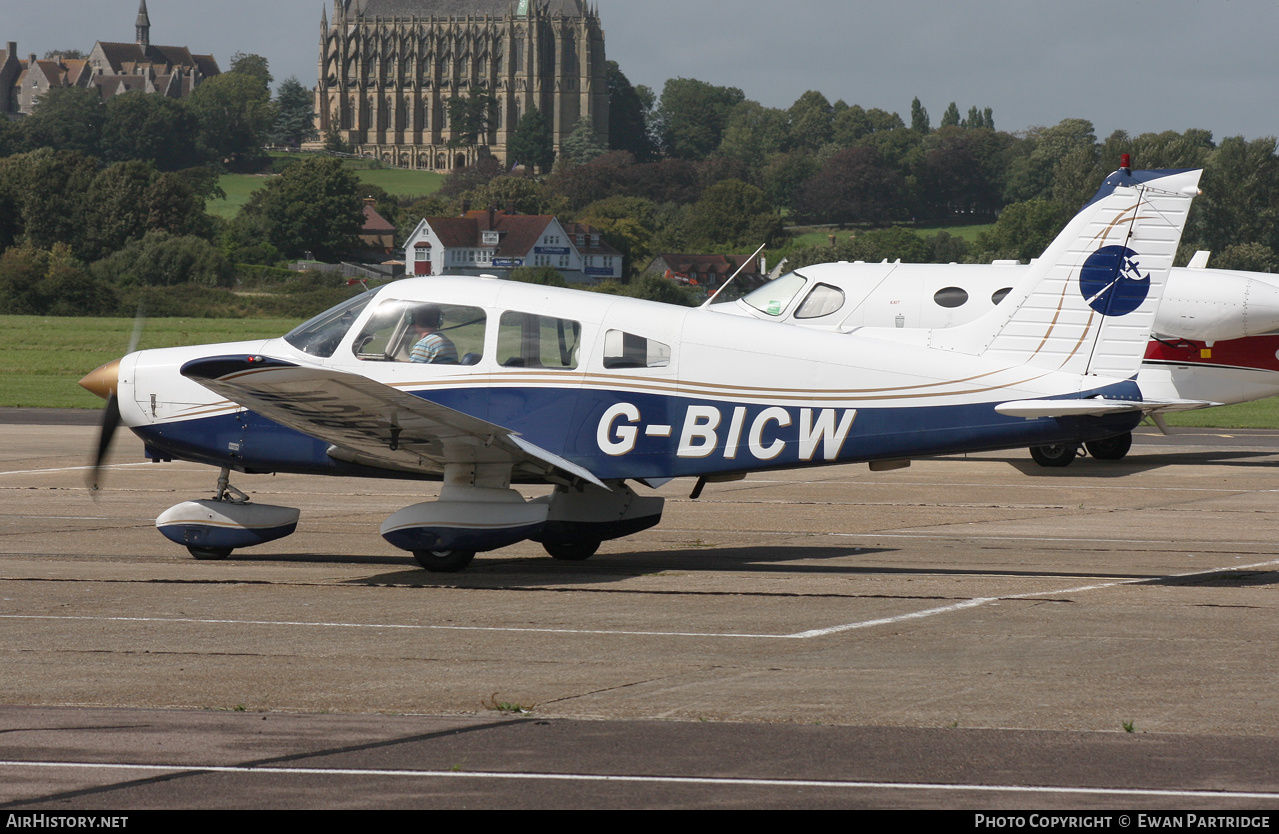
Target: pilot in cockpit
[{"x": 432, "y": 346}]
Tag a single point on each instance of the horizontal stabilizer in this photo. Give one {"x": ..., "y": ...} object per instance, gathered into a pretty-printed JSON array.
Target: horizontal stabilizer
[{"x": 1095, "y": 407}]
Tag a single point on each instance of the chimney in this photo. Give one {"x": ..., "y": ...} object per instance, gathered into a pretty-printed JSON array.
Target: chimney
[
  {"x": 492, "y": 217},
  {"x": 13, "y": 49},
  {"x": 466, "y": 207},
  {"x": 510, "y": 207}
]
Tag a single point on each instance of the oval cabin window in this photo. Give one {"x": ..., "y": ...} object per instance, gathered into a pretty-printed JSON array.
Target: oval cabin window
[
  {"x": 1000, "y": 295},
  {"x": 951, "y": 297}
]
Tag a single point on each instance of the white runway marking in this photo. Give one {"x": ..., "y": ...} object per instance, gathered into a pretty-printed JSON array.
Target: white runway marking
[
  {"x": 658, "y": 780},
  {"x": 976, "y": 602},
  {"x": 74, "y": 468}
]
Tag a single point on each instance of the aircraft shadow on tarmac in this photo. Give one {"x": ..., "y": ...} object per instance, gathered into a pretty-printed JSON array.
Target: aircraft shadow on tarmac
[
  {"x": 526, "y": 572},
  {"x": 1091, "y": 468},
  {"x": 1222, "y": 579}
]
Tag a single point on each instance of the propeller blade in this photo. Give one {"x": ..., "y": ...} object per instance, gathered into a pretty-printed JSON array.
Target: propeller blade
[
  {"x": 110, "y": 422},
  {"x": 139, "y": 319}
]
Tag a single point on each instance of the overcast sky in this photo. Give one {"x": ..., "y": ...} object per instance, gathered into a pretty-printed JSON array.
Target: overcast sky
[{"x": 1137, "y": 65}]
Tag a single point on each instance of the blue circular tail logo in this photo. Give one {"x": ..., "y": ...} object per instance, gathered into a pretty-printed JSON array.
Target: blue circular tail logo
[{"x": 1111, "y": 281}]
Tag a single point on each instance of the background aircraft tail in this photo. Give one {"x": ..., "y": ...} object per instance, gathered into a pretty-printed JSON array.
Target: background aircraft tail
[{"x": 1088, "y": 304}]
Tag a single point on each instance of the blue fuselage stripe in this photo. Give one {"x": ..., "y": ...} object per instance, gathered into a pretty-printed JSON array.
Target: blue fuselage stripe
[{"x": 627, "y": 434}]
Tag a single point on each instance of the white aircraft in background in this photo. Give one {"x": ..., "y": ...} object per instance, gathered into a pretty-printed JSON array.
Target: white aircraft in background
[
  {"x": 591, "y": 392},
  {"x": 1215, "y": 336}
]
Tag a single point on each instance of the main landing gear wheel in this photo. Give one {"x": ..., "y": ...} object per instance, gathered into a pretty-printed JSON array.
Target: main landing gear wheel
[
  {"x": 205, "y": 554},
  {"x": 1112, "y": 448},
  {"x": 571, "y": 551},
  {"x": 1058, "y": 454},
  {"x": 444, "y": 561}
]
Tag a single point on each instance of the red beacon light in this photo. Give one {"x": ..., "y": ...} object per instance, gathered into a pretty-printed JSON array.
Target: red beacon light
[{"x": 1125, "y": 163}]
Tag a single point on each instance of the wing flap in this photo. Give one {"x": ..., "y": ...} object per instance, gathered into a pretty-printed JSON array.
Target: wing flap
[
  {"x": 1095, "y": 407},
  {"x": 370, "y": 423}
]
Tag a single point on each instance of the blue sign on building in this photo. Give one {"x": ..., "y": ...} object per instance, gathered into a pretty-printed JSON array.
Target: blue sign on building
[{"x": 551, "y": 250}]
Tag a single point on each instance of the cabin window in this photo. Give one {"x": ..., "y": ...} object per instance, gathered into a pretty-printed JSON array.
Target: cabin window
[
  {"x": 443, "y": 334},
  {"x": 951, "y": 297},
  {"x": 822, "y": 301},
  {"x": 1000, "y": 295},
  {"x": 774, "y": 297},
  {"x": 626, "y": 350},
  {"x": 525, "y": 340},
  {"x": 321, "y": 335}
]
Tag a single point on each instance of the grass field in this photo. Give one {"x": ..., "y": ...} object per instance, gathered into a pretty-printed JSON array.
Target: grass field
[
  {"x": 240, "y": 187},
  {"x": 42, "y": 358},
  {"x": 967, "y": 233}
]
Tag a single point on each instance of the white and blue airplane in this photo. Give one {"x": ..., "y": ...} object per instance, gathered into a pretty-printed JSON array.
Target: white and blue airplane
[
  {"x": 1215, "y": 337},
  {"x": 593, "y": 393}
]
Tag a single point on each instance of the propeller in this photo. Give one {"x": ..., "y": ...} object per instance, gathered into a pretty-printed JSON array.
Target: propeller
[{"x": 104, "y": 382}]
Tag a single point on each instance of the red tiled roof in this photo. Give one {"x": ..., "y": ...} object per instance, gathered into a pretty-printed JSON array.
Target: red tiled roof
[
  {"x": 520, "y": 232},
  {"x": 376, "y": 224}
]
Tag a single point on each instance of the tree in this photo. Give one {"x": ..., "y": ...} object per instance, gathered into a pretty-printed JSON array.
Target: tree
[
  {"x": 951, "y": 117},
  {"x": 67, "y": 119},
  {"x": 583, "y": 144},
  {"x": 754, "y": 133},
  {"x": 66, "y": 54},
  {"x": 527, "y": 195},
  {"x": 532, "y": 143},
  {"x": 151, "y": 127},
  {"x": 918, "y": 117},
  {"x": 118, "y": 196},
  {"x": 1240, "y": 201},
  {"x": 471, "y": 117},
  {"x": 1023, "y": 231},
  {"x": 235, "y": 114},
  {"x": 854, "y": 186},
  {"x": 692, "y": 116},
  {"x": 812, "y": 121},
  {"x": 47, "y": 189},
  {"x": 247, "y": 63},
  {"x": 628, "y": 115},
  {"x": 314, "y": 206},
  {"x": 628, "y": 223},
  {"x": 160, "y": 260},
  {"x": 733, "y": 213},
  {"x": 1030, "y": 172},
  {"x": 295, "y": 114}
]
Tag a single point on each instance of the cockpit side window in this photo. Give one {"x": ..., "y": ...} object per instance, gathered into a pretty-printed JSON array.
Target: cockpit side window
[
  {"x": 321, "y": 335},
  {"x": 527, "y": 340},
  {"x": 423, "y": 332},
  {"x": 822, "y": 301},
  {"x": 626, "y": 350},
  {"x": 774, "y": 297}
]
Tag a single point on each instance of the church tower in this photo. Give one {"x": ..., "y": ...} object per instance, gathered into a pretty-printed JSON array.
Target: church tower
[
  {"x": 143, "y": 26},
  {"x": 388, "y": 69}
]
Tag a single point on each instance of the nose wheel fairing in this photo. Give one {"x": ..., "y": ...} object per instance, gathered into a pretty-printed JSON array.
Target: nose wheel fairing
[{"x": 218, "y": 525}]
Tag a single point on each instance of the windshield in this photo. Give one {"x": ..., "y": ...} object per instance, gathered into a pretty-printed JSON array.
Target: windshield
[
  {"x": 321, "y": 335},
  {"x": 776, "y": 295}
]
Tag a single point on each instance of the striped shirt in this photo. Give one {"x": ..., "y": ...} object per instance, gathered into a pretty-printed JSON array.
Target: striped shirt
[{"x": 436, "y": 349}]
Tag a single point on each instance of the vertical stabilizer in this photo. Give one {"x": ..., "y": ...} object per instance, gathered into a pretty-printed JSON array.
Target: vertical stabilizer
[{"x": 1088, "y": 304}]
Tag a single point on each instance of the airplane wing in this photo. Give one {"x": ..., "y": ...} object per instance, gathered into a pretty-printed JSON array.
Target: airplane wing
[
  {"x": 1095, "y": 407},
  {"x": 370, "y": 423}
]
